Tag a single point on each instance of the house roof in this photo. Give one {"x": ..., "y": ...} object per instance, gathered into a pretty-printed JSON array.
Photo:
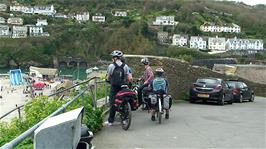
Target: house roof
[
  {"x": 165, "y": 18},
  {"x": 180, "y": 36},
  {"x": 44, "y": 71},
  {"x": 216, "y": 40},
  {"x": 5, "y": 27},
  {"x": 237, "y": 40}
]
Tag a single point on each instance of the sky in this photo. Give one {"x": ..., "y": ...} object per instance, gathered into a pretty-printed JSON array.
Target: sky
[{"x": 252, "y": 2}]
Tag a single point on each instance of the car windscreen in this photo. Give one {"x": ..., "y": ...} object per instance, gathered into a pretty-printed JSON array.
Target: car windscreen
[
  {"x": 234, "y": 84},
  {"x": 209, "y": 81}
]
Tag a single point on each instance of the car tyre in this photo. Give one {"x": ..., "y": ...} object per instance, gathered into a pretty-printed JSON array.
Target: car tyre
[
  {"x": 231, "y": 101},
  {"x": 252, "y": 98},
  {"x": 241, "y": 99},
  {"x": 221, "y": 101},
  {"x": 191, "y": 100}
]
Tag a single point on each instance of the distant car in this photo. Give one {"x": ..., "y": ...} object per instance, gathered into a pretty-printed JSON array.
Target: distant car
[
  {"x": 211, "y": 89},
  {"x": 241, "y": 91}
]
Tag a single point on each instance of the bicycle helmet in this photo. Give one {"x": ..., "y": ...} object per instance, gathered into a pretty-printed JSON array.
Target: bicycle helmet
[
  {"x": 145, "y": 61},
  {"x": 117, "y": 53},
  {"x": 159, "y": 71}
]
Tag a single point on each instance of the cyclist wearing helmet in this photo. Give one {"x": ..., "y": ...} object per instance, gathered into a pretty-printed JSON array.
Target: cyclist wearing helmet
[
  {"x": 159, "y": 85},
  {"x": 117, "y": 74},
  {"x": 147, "y": 77}
]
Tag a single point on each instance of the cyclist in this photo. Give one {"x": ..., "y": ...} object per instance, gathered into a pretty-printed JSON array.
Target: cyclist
[
  {"x": 117, "y": 74},
  {"x": 146, "y": 78},
  {"x": 159, "y": 85}
]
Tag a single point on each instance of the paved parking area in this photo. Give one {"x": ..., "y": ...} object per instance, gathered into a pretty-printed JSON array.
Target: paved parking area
[{"x": 241, "y": 125}]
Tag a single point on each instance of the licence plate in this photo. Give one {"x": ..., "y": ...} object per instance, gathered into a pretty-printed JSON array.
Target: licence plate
[{"x": 204, "y": 95}]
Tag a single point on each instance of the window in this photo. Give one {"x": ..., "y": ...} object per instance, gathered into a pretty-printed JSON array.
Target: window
[{"x": 244, "y": 85}]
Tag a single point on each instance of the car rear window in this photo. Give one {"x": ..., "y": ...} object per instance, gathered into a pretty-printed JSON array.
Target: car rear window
[{"x": 209, "y": 81}]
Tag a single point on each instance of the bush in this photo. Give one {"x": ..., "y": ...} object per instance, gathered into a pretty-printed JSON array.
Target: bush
[{"x": 40, "y": 108}]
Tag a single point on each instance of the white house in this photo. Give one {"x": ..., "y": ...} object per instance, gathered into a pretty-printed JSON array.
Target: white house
[
  {"x": 83, "y": 17},
  {"x": 15, "y": 21},
  {"x": 163, "y": 37},
  {"x": 180, "y": 40},
  {"x": 35, "y": 30},
  {"x": 3, "y": 7},
  {"x": 197, "y": 42},
  {"x": 45, "y": 10},
  {"x": 60, "y": 15},
  {"x": 4, "y": 31},
  {"x": 227, "y": 28},
  {"x": 98, "y": 18},
  {"x": 19, "y": 32},
  {"x": 165, "y": 20},
  {"x": 28, "y": 10},
  {"x": 2, "y": 20},
  {"x": 41, "y": 22},
  {"x": 120, "y": 14},
  {"x": 17, "y": 8},
  {"x": 244, "y": 44},
  {"x": 216, "y": 43}
]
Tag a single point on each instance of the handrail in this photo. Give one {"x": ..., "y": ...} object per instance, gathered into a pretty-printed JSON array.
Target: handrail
[
  {"x": 83, "y": 82},
  {"x": 58, "y": 92},
  {"x": 11, "y": 111},
  {"x": 27, "y": 133}
]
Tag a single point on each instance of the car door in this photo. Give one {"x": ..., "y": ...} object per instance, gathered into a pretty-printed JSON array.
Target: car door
[
  {"x": 246, "y": 91},
  {"x": 227, "y": 91}
]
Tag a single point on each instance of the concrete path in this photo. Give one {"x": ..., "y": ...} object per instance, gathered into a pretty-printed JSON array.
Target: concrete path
[{"x": 241, "y": 125}]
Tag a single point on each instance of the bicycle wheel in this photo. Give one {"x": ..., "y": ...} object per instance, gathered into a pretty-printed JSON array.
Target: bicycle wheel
[
  {"x": 159, "y": 111},
  {"x": 126, "y": 116}
]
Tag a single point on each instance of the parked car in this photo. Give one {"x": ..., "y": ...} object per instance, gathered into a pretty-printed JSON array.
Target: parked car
[
  {"x": 241, "y": 91},
  {"x": 211, "y": 89}
]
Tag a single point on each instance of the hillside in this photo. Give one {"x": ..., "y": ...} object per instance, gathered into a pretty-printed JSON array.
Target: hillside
[
  {"x": 132, "y": 34},
  {"x": 181, "y": 75}
]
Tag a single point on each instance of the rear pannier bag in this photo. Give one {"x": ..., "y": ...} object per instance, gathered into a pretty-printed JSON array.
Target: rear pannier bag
[
  {"x": 167, "y": 101},
  {"x": 125, "y": 94}
]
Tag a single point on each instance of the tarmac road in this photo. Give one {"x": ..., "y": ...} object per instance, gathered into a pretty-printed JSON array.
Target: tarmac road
[{"x": 241, "y": 125}]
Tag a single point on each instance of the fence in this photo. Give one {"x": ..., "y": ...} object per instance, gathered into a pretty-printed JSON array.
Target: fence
[{"x": 92, "y": 87}]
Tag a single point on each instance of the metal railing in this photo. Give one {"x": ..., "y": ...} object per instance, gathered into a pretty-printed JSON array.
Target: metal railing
[
  {"x": 19, "y": 108},
  {"x": 27, "y": 133}
]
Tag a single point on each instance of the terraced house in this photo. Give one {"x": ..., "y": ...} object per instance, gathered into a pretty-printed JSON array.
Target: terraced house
[
  {"x": 226, "y": 28},
  {"x": 3, "y": 7},
  {"x": 4, "y": 31},
  {"x": 2, "y": 20},
  {"x": 19, "y": 32},
  {"x": 15, "y": 21},
  {"x": 244, "y": 44},
  {"x": 45, "y": 10},
  {"x": 165, "y": 21},
  {"x": 35, "y": 30},
  {"x": 197, "y": 42},
  {"x": 98, "y": 18},
  {"x": 82, "y": 17},
  {"x": 216, "y": 43},
  {"x": 120, "y": 14},
  {"x": 180, "y": 40},
  {"x": 41, "y": 22}
]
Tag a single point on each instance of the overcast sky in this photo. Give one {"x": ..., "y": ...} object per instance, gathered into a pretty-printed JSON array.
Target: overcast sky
[{"x": 252, "y": 2}]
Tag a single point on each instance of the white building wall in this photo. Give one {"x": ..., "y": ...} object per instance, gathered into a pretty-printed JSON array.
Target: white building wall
[
  {"x": 98, "y": 18},
  {"x": 4, "y": 30}
]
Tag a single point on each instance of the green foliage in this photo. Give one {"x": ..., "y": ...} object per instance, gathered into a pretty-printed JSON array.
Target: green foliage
[
  {"x": 41, "y": 107},
  {"x": 184, "y": 96}
]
